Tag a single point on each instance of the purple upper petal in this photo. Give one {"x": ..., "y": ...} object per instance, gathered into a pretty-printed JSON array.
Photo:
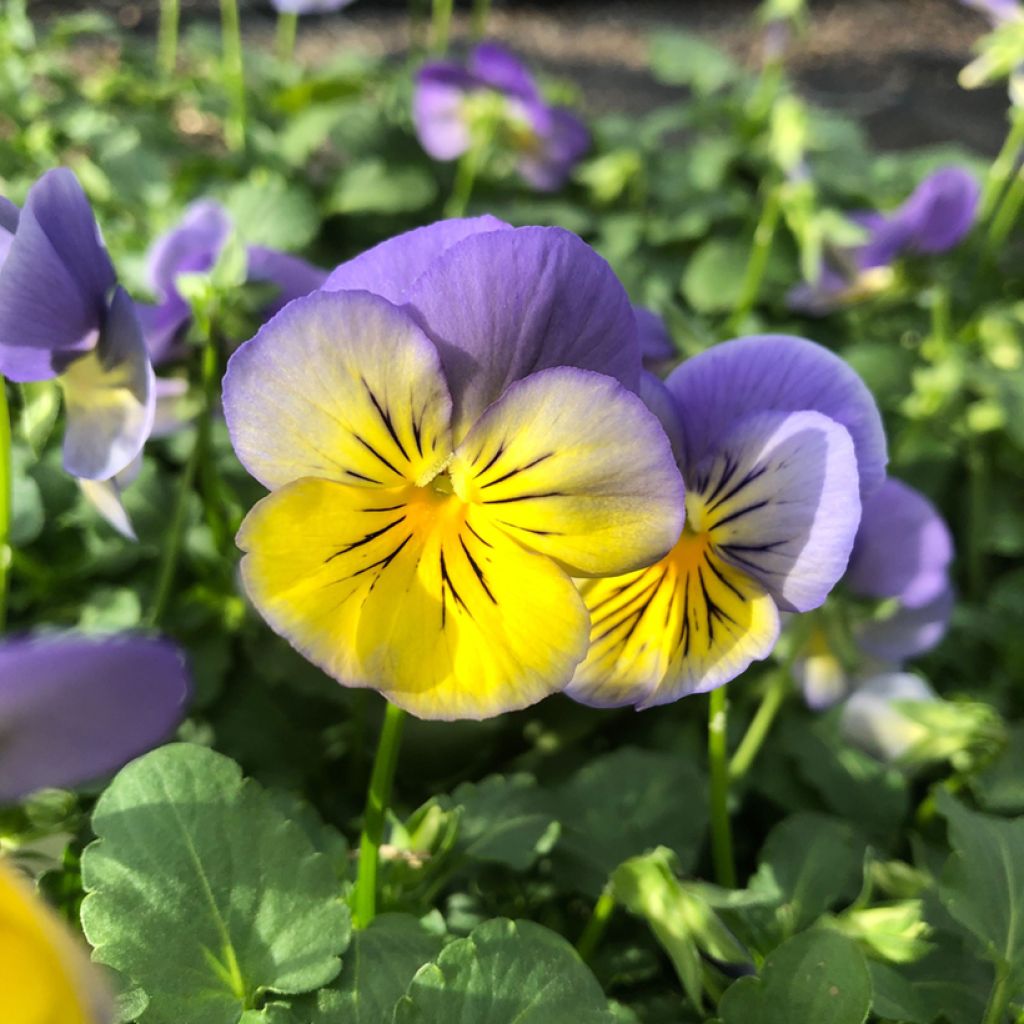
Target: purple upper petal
[
  {"x": 907, "y": 632},
  {"x": 54, "y": 281},
  {"x": 161, "y": 325},
  {"x": 8, "y": 215},
  {"x": 192, "y": 246},
  {"x": 736, "y": 379},
  {"x": 656, "y": 344},
  {"x": 437, "y": 109},
  {"x": 293, "y": 276},
  {"x": 562, "y": 141},
  {"x": 504, "y": 304},
  {"x": 109, "y": 398},
  {"x": 935, "y": 218},
  {"x": 390, "y": 269},
  {"x": 73, "y": 709},
  {"x": 501, "y": 69},
  {"x": 903, "y": 548}
]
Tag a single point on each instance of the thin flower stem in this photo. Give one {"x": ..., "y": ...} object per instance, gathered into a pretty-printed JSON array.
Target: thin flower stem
[
  {"x": 757, "y": 264},
  {"x": 287, "y": 30},
  {"x": 597, "y": 925},
  {"x": 718, "y": 774},
  {"x": 167, "y": 37},
  {"x": 1006, "y": 215},
  {"x": 1002, "y": 168},
  {"x": 378, "y": 796},
  {"x": 465, "y": 179},
  {"x": 999, "y": 1000},
  {"x": 757, "y": 732},
  {"x": 233, "y": 74},
  {"x": 5, "y": 499},
  {"x": 481, "y": 12},
  {"x": 440, "y": 25}
]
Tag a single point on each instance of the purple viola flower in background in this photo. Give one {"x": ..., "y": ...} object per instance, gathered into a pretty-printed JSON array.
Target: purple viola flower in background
[
  {"x": 63, "y": 316},
  {"x": 937, "y": 216},
  {"x": 308, "y": 6},
  {"x": 778, "y": 441},
  {"x": 873, "y": 720},
  {"x": 193, "y": 246},
  {"x": 997, "y": 11},
  {"x": 901, "y": 557},
  {"x": 75, "y": 708},
  {"x": 456, "y": 107}
]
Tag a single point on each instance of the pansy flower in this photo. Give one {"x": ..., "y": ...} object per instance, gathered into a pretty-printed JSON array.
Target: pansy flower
[
  {"x": 901, "y": 559},
  {"x": 777, "y": 440},
  {"x": 449, "y": 433},
  {"x": 71, "y": 709},
  {"x": 193, "y": 246},
  {"x": 63, "y": 316},
  {"x": 937, "y": 216},
  {"x": 453, "y": 104}
]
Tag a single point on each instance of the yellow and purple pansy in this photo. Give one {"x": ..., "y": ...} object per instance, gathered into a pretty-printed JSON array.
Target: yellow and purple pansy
[
  {"x": 777, "y": 440},
  {"x": 450, "y": 433}
]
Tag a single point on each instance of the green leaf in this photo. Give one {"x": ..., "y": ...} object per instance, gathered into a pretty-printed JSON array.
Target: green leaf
[
  {"x": 505, "y": 972},
  {"x": 272, "y": 212},
  {"x": 379, "y": 966},
  {"x": 375, "y": 186},
  {"x": 623, "y": 804},
  {"x": 26, "y": 500},
  {"x": 713, "y": 278},
  {"x": 505, "y": 820},
  {"x": 982, "y": 885},
  {"x": 201, "y": 892},
  {"x": 815, "y": 977},
  {"x": 681, "y": 59},
  {"x": 896, "y": 998}
]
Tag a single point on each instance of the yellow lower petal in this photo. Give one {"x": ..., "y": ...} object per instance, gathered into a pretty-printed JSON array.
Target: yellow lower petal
[
  {"x": 44, "y": 976},
  {"x": 410, "y": 591},
  {"x": 685, "y": 625}
]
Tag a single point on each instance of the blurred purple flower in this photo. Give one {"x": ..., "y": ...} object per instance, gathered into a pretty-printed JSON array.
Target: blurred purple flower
[
  {"x": 73, "y": 708},
  {"x": 548, "y": 140},
  {"x": 308, "y": 6},
  {"x": 936, "y": 217},
  {"x": 63, "y": 315},
  {"x": 193, "y": 246},
  {"x": 872, "y": 720},
  {"x": 997, "y": 11}
]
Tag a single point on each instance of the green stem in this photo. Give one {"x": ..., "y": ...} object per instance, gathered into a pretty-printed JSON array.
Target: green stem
[
  {"x": 481, "y": 12},
  {"x": 597, "y": 925},
  {"x": 999, "y": 1000},
  {"x": 234, "y": 74},
  {"x": 215, "y": 502},
  {"x": 167, "y": 38},
  {"x": 364, "y": 898},
  {"x": 757, "y": 264},
  {"x": 287, "y": 30},
  {"x": 465, "y": 179},
  {"x": 5, "y": 499},
  {"x": 1002, "y": 167},
  {"x": 718, "y": 774},
  {"x": 760, "y": 725},
  {"x": 1006, "y": 215},
  {"x": 440, "y": 25}
]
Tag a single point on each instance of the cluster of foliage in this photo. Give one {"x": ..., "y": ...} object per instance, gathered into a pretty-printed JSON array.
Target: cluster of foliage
[{"x": 213, "y": 876}]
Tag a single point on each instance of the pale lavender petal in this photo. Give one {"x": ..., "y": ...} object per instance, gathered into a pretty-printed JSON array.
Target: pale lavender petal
[
  {"x": 907, "y": 632},
  {"x": 502, "y": 305},
  {"x": 777, "y": 373},
  {"x": 657, "y": 398},
  {"x": 562, "y": 141},
  {"x": 293, "y": 276},
  {"x": 779, "y": 500},
  {"x": 73, "y": 709},
  {"x": 438, "y": 110},
  {"x": 192, "y": 246},
  {"x": 172, "y": 412},
  {"x": 109, "y": 398},
  {"x": 656, "y": 344},
  {"x": 55, "y": 279},
  {"x": 391, "y": 268},
  {"x": 871, "y": 722},
  {"x": 903, "y": 547},
  {"x": 8, "y": 215},
  {"x": 502, "y": 70},
  {"x": 107, "y": 498}
]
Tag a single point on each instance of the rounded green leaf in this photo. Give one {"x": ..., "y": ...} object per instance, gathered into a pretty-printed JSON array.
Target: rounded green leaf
[{"x": 203, "y": 894}]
